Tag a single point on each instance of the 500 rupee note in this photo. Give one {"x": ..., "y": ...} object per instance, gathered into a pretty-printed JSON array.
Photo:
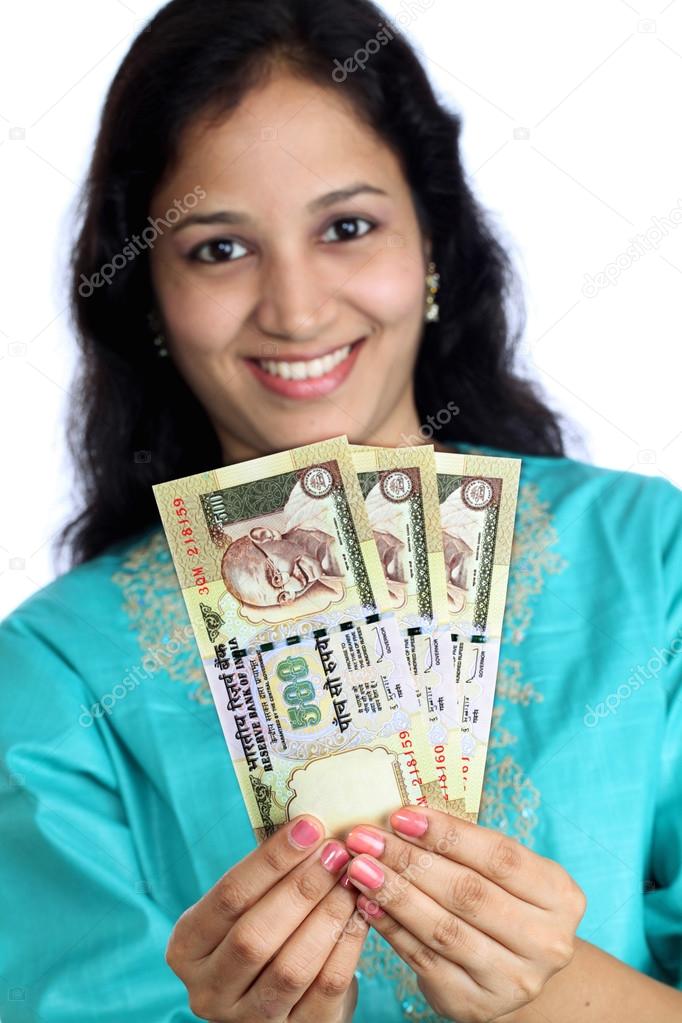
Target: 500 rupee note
[
  {"x": 477, "y": 496},
  {"x": 401, "y": 497},
  {"x": 281, "y": 579}
]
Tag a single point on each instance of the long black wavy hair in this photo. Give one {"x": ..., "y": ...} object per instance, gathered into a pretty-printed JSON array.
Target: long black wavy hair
[{"x": 133, "y": 421}]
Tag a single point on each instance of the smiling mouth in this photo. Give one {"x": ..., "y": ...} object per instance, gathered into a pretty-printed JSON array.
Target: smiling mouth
[
  {"x": 306, "y": 369},
  {"x": 307, "y": 379}
]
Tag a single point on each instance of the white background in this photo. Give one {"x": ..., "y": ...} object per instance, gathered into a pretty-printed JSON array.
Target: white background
[{"x": 571, "y": 139}]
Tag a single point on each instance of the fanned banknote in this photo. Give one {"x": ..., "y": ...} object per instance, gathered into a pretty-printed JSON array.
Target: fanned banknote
[
  {"x": 401, "y": 497},
  {"x": 477, "y": 496},
  {"x": 476, "y": 666},
  {"x": 286, "y": 595}
]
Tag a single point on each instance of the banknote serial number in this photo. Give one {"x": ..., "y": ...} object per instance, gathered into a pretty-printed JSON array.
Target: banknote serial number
[
  {"x": 411, "y": 764},
  {"x": 442, "y": 774},
  {"x": 188, "y": 540}
]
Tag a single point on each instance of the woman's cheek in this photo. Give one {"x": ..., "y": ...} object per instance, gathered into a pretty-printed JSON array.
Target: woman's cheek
[
  {"x": 393, "y": 288},
  {"x": 202, "y": 327}
]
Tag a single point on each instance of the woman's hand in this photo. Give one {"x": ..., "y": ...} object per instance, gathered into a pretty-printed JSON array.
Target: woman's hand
[
  {"x": 277, "y": 938},
  {"x": 483, "y": 921}
]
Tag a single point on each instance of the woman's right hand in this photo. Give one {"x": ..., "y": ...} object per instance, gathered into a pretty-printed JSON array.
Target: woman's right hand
[{"x": 277, "y": 937}]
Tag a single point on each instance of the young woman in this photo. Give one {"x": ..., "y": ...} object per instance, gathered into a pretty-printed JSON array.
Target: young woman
[{"x": 271, "y": 181}]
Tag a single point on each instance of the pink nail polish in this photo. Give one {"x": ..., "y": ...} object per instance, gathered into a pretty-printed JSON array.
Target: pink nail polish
[
  {"x": 345, "y": 881},
  {"x": 367, "y": 873},
  {"x": 370, "y": 907},
  {"x": 304, "y": 833},
  {"x": 334, "y": 856},
  {"x": 361, "y": 840},
  {"x": 407, "y": 822}
]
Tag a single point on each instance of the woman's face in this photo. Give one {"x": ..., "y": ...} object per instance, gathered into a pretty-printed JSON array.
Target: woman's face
[{"x": 293, "y": 315}]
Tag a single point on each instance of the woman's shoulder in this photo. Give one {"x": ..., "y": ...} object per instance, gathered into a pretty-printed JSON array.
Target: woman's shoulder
[
  {"x": 113, "y": 619},
  {"x": 571, "y": 485},
  {"x": 99, "y": 617},
  {"x": 89, "y": 590}
]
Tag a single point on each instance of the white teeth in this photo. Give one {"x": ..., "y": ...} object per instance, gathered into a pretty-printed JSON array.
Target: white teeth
[{"x": 306, "y": 369}]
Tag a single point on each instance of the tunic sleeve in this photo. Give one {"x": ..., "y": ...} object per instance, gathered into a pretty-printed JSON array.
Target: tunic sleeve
[
  {"x": 82, "y": 937},
  {"x": 663, "y": 883}
]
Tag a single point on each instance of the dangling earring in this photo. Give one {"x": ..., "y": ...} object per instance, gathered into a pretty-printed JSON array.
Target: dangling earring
[
  {"x": 431, "y": 312},
  {"x": 158, "y": 340}
]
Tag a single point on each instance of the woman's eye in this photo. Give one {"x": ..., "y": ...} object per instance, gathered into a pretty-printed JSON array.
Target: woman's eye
[
  {"x": 349, "y": 228},
  {"x": 220, "y": 250},
  {"x": 226, "y": 250}
]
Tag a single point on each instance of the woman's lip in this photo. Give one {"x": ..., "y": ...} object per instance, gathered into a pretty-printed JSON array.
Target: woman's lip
[
  {"x": 307, "y": 357},
  {"x": 312, "y": 387}
]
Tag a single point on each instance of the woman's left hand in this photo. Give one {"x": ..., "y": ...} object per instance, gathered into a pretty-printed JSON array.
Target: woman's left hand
[{"x": 483, "y": 921}]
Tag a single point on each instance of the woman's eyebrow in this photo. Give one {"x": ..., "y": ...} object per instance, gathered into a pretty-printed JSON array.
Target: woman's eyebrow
[{"x": 320, "y": 203}]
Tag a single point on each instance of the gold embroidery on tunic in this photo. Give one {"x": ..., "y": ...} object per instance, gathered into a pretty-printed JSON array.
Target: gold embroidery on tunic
[
  {"x": 509, "y": 685},
  {"x": 154, "y": 604},
  {"x": 532, "y": 560}
]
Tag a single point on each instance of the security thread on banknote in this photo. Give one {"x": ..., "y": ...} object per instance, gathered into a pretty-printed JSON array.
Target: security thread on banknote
[
  {"x": 286, "y": 595},
  {"x": 477, "y": 496},
  {"x": 401, "y": 497}
]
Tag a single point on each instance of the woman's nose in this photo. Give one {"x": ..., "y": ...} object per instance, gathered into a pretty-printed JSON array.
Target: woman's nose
[{"x": 295, "y": 303}]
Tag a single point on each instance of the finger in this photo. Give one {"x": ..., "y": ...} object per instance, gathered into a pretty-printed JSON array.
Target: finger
[
  {"x": 496, "y": 856},
  {"x": 288, "y": 977},
  {"x": 436, "y": 972},
  {"x": 329, "y": 992},
  {"x": 260, "y": 933},
  {"x": 203, "y": 926},
  {"x": 444, "y": 933},
  {"x": 458, "y": 889},
  {"x": 423, "y": 959}
]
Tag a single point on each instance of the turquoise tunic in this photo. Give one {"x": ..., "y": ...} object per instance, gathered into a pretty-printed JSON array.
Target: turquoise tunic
[{"x": 120, "y": 808}]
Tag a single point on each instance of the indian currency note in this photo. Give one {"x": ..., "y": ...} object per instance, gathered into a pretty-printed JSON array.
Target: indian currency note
[
  {"x": 477, "y": 496},
  {"x": 476, "y": 665},
  {"x": 281, "y": 579},
  {"x": 401, "y": 497}
]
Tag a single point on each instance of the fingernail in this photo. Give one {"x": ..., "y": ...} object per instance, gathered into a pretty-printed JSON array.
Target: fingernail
[
  {"x": 304, "y": 833},
  {"x": 345, "y": 881},
  {"x": 370, "y": 907},
  {"x": 367, "y": 873},
  {"x": 334, "y": 856},
  {"x": 407, "y": 822},
  {"x": 360, "y": 840}
]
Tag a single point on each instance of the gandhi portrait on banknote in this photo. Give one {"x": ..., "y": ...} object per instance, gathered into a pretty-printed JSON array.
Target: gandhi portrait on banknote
[
  {"x": 457, "y": 553},
  {"x": 392, "y": 555},
  {"x": 460, "y": 528},
  {"x": 387, "y": 522},
  {"x": 282, "y": 556}
]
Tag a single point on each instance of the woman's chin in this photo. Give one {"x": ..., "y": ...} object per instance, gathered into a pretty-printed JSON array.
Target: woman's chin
[{"x": 291, "y": 436}]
